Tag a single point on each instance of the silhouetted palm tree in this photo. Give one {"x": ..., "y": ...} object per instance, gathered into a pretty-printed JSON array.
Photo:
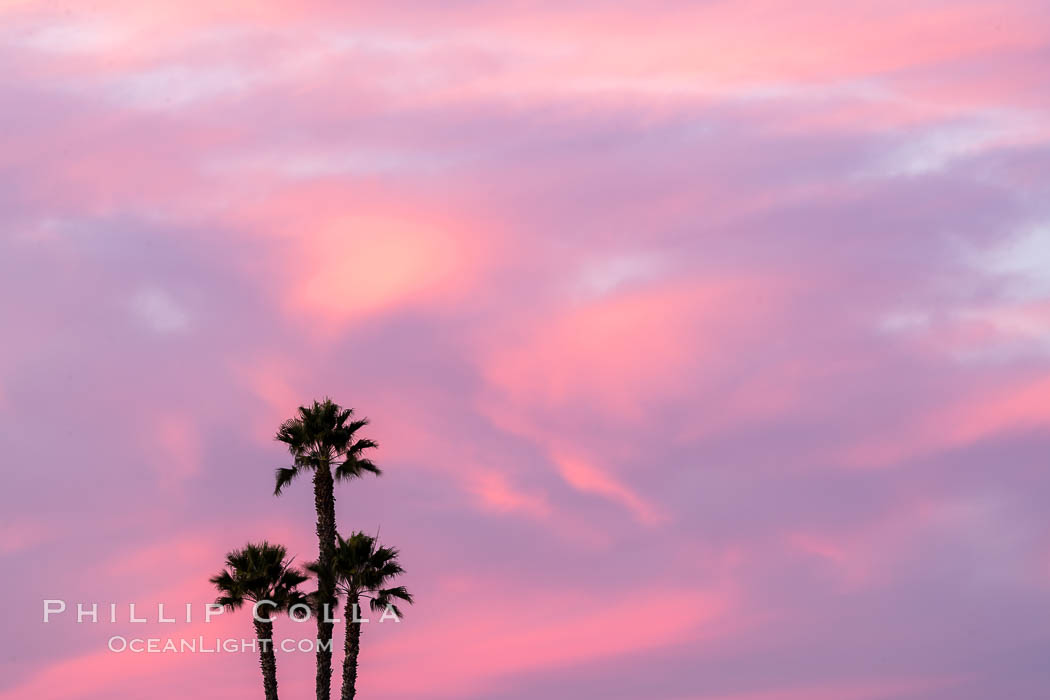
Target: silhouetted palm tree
[
  {"x": 322, "y": 438},
  {"x": 363, "y": 569},
  {"x": 261, "y": 572}
]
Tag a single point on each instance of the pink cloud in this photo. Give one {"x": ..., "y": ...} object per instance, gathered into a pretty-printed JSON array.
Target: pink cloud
[
  {"x": 274, "y": 381},
  {"x": 98, "y": 672},
  {"x": 474, "y": 643},
  {"x": 622, "y": 353},
  {"x": 587, "y": 478},
  {"x": 23, "y": 534},
  {"x": 496, "y": 492},
  {"x": 353, "y": 254},
  {"x": 363, "y": 265},
  {"x": 849, "y": 557},
  {"x": 178, "y": 443},
  {"x": 997, "y": 410},
  {"x": 880, "y": 689}
]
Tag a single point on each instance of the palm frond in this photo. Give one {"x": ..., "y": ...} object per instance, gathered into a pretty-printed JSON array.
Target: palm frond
[
  {"x": 355, "y": 468},
  {"x": 398, "y": 592},
  {"x": 284, "y": 477}
]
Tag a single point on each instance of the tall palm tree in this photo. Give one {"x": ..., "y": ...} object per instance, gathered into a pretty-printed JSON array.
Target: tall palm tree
[
  {"x": 261, "y": 572},
  {"x": 363, "y": 570},
  {"x": 322, "y": 438}
]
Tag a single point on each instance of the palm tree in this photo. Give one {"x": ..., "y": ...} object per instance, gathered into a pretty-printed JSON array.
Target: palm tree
[
  {"x": 323, "y": 439},
  {"x": 261, "y": 572},
  {"x": 363, "y": 569}
]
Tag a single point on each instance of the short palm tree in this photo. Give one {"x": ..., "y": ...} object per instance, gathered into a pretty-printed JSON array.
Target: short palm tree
[
  {"x": 261, "y": 572},
  {"x": 363, "y": 570},
  {"x": 322, "y": 438}
]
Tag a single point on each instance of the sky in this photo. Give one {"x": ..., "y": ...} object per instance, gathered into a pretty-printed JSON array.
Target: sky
[{"x": 707, "y": 344}]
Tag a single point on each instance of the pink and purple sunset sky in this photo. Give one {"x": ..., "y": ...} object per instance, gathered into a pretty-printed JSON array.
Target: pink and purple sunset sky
[{"x": 707, "y": 343}]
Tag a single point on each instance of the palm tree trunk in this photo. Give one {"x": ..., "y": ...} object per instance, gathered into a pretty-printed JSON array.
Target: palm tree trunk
[
  {"x": 351, "y": 647},
  {"x": 324, "y": 500},
  {"x": 267, "y": 659}
]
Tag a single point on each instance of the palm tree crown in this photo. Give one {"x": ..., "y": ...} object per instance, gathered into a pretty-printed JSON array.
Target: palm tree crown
[
  {"x": 363, "y": 568},
  {"x": 322, "y": 436},
  {"x": 259, "y": 572}
]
